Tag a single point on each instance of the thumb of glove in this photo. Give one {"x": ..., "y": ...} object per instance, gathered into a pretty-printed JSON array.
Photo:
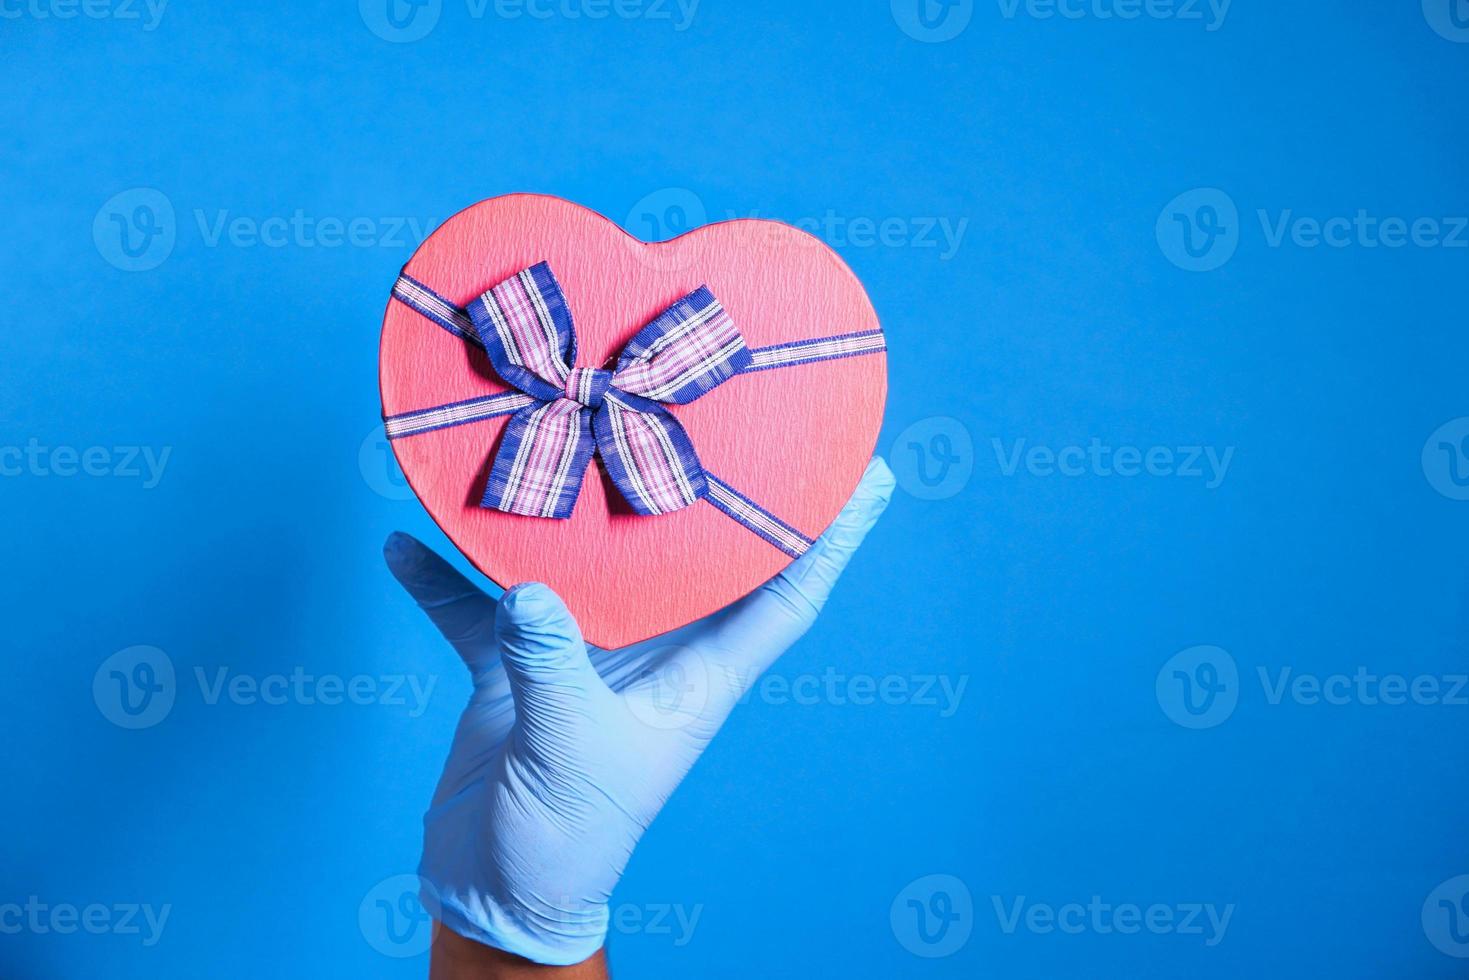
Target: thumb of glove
[{"x": 551, "y": 677}]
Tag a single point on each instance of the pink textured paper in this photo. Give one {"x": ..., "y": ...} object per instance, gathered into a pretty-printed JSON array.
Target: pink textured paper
[{"x": 796, "y": 440}]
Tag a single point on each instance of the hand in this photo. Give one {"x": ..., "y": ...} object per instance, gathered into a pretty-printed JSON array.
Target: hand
[{"x": 566, "y": 753}]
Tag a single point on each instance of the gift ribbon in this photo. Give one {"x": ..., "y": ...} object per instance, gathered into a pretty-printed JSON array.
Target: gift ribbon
[{"x": 562, "y": 415}]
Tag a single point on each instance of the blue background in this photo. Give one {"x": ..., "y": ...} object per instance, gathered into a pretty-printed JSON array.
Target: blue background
[{"x": 1063, "y": 316}]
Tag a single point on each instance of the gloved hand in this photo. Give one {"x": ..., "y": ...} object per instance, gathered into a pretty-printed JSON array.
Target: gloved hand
[{"x": 566, "y": 753}]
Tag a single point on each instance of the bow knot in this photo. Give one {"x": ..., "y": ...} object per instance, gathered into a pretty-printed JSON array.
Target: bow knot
[
  {"x": 685, "y": 352},
  {"x": 587, "y": 386}
]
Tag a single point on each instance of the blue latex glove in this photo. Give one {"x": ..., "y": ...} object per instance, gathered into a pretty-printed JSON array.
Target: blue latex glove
[{"x": 566, "y": 752}]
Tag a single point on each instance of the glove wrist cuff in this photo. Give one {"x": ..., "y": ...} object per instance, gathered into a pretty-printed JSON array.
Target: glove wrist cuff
[{"x": 550, "y": 938}]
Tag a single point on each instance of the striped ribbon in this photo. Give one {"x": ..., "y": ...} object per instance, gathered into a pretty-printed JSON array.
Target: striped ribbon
[{"x": 562, "y": 415}]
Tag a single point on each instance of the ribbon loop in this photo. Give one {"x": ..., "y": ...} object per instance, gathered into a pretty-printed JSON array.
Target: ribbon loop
[
  {"x": 648, "y": 454},
  {"x": 525, "y": 326},
  {"x": 542, "y": 459},
  {"x": 687, "y": 351}
]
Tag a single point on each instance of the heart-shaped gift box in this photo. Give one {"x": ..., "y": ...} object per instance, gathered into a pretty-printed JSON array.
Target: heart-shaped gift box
[{"x": 774, "y": 378}]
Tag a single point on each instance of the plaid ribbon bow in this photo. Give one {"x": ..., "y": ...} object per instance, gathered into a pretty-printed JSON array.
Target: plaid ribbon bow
[
  {"x": 576, "y": 412},
  {"x": 563, "y": 415}
]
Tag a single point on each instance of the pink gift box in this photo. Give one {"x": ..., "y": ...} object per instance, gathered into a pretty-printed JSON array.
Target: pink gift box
[{"x": 792, "y": 439}]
